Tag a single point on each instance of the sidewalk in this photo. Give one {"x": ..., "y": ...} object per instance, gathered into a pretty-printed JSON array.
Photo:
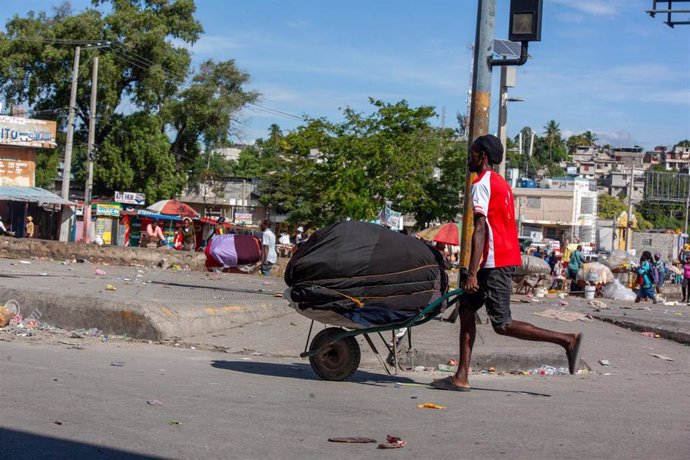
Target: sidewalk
[{"x": 242, "y": 314}]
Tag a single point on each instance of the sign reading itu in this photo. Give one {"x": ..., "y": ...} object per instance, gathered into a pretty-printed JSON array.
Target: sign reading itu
[
  {"x": 26, "y": 132},
  {"x": 130, "y": 198}
]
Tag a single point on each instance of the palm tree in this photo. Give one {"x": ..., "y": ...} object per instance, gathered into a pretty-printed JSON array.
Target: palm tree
[
  {"x": 589, "y": 138},
  {"x": 552, "y": 133}
]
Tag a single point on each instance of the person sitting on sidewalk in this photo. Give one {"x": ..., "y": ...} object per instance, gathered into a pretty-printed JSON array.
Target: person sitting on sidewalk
[
  {"x": 495, "y": 254},
  {"x": 154, "y": 234}
]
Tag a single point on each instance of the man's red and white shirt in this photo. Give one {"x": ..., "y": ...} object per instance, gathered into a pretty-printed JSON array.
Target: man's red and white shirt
[{"x": 493, "y": 198}]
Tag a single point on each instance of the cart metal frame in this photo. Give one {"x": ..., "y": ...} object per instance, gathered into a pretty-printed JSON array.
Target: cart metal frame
[{"x": 427, "y": 314}]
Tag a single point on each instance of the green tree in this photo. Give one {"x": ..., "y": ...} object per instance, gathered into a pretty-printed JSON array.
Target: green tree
[
  {"x": 136, "y": 156},
  {"x": 610, "y": 207},
  {"x": 552, "y": 136},
  {"x": 204, "y": 112},
  {"x": 144, "y": 65},
  {"x": 328, "y": 171},
  {"x": 47, "y": 162},
  {"x": 684, "y": 143}
]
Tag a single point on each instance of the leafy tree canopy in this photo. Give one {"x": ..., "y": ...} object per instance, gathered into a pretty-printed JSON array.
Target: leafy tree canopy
[{"x": 329, "y": 171}]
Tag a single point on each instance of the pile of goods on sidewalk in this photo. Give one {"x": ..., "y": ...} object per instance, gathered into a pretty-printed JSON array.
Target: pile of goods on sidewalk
[
  {"x": 532, "y": 274},
  {"x": 356, "y": 274}
]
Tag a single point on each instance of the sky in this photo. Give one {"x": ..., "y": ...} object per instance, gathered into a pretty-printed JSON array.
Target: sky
[{"x": 601, "y": 65}]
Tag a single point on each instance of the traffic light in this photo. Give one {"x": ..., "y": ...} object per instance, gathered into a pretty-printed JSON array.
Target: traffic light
[{"x": 525, "y": 21}]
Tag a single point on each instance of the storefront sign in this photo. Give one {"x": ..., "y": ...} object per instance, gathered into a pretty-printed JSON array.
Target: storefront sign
[
  {"x": 110, "y": 210},
  {"x": 15, "y": 172},
  {"x": 243, "y": 218},
  {"x": 130, "y": 198},
  {"x": 25, "y": 132}
]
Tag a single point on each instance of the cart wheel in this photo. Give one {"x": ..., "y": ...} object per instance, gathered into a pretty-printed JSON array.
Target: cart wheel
[{"x": 337, "y": 361}]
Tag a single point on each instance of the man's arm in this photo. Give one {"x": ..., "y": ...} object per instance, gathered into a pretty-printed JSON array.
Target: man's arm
[{"x": 478, "y": 241}]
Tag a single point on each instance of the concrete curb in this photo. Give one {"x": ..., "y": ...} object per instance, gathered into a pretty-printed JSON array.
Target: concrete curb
[
  {"x": 668, "y": 329},
  {"x": 139, "y": 320},
  {"x": 14, "y": 248}
]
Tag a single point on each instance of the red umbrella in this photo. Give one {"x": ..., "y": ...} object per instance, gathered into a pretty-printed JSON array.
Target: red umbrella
[
  {"x": 447, "y": 233},
  {"x": 173, "y": 208}
]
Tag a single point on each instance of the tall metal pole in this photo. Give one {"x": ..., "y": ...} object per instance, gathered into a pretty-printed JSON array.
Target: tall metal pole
[
  {"x": 502, "y": 118},
  {"x": 90, "y": 151},
  {"x": 687, "y": 205},
  {"x": 628, "y": 233},
  {"x": 67, "y": 167},
  {"x": 479, "y": 109}
]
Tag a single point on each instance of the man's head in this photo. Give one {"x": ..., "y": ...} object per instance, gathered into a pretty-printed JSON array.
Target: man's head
[
  {"x": 265, "y": 224},
  {"x": 579, "y": 247},
  {"x": 300, "y": 229},
  {"x": 485, "y": 151},
  {"x": 657, "y": 256},
  {"x": 30, "y": 219},
  {"x": 186, "y": 221},
  {"x": 646, "y": 255}
]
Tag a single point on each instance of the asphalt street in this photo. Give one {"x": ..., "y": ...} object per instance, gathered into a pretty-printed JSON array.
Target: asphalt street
[{"x": 81, "y": 398}]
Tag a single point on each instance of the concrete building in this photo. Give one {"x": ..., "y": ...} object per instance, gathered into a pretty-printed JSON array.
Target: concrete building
[
  {"x": 677, "y": 159},
  {"x": 235, "y": 198},
  {"x": 561, "y": 208},
  {"x": 19, "y": 197},
  {"x": 617, "y": 184}
]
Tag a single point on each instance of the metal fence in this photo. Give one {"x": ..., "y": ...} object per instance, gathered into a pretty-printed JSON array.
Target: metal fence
[{"x": 666, "y": 186}]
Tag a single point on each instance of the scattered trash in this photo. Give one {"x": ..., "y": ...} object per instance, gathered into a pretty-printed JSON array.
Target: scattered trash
[
  {"x": 665, "y": 358},
  {"x": 393, "y": 442},
  {"x": 83, "y": 261},
  {"x": 174, "y": 422},
  {"x": 430, "y": 406},
  {"x": 598, "y": 304},
  {"x": 25, "y": 262},
  {"x": 651, "y": 335},
  {"x": 419, "y": 369},
  {"x": 568, "y": 316},
  {"x": 110, "y": 287},
  {"x": 352, "y": 440},
  {"x": 175, "y": 267},
  {"x": 57, "y": 422},
  {"x": 671, "y": 304},
  {"x": 562, "y": 295},
  {"x": 155, "y": 402},
  {"x": 100, "y": 272},
  {"x": 492, "y": 370},
  {"x": 117, "y": 363},
  {"x": 453, "y": 362},
  {"x": 604, "y": 362},
  {"x": 549, "y": 370},
  {"x": 446, "y": 368},
  {"x": 563, "y": 303}
]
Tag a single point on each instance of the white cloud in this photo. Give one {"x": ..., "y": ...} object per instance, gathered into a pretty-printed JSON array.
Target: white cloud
[
  {"x": 593, "y": 7},
  {"x": 620, "y": 138},
  {"x": 214, "y": 45}
]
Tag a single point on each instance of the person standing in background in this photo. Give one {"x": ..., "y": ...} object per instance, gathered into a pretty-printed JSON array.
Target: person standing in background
[
  {"x": 29, "y": 230},
  {"x": 268, "y": 248}
]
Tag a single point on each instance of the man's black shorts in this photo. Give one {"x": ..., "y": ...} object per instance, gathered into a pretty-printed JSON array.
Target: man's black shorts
[{"x": 495, "y": 287}]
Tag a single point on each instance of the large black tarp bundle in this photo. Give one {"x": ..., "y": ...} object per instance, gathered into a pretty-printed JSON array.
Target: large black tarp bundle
[{"x": 365, "y": 273}]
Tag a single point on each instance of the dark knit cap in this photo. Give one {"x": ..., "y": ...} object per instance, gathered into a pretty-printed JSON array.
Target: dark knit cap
[{"x": 491, "y": 145}]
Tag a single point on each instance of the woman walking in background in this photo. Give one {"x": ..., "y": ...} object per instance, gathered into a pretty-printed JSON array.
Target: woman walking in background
[{"x": 645, "y": 279}]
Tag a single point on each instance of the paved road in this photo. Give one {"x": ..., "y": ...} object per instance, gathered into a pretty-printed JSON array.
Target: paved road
[{"x": 63, "y": 398}]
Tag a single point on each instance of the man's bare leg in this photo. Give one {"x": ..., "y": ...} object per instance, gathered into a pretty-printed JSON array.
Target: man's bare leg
[
  {"x": 468, "y": 332},
  {"x": 526, "y": 331}
]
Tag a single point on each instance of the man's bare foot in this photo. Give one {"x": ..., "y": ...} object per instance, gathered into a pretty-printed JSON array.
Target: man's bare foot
[
  {"x": 450, "y": 383},
  {"x": 573, "y": 353}
]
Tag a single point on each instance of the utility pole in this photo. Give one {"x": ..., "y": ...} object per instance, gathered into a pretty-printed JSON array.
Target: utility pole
[
  {"x": 479, "y": 109},
  {"x": 628, "y": 233},
  {"x": 90, "y": 151},
  {"x": 687, "y": 204},
  {"x": 67, "y": 167}
]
